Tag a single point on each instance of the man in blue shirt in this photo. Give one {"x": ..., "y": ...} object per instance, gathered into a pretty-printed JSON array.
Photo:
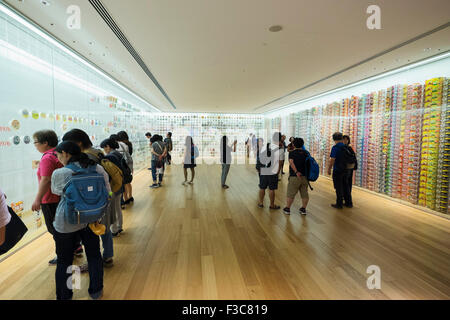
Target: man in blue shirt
[{"x": 340, "y": 173}]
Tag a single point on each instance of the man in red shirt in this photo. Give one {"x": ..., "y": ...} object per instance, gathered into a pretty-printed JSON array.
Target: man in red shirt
[{"x": 45, "y": 142}]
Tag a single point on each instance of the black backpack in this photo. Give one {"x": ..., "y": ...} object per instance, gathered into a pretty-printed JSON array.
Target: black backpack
[
  {"x": 127, "y": 175},
  {"x": 347, "y": 158}
]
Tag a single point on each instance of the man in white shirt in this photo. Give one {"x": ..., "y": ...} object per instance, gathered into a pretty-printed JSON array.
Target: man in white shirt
[{"x": 268, "y": 175}]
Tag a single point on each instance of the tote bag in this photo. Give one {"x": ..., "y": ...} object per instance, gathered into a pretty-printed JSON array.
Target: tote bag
[{"x": 15, "y": 230}]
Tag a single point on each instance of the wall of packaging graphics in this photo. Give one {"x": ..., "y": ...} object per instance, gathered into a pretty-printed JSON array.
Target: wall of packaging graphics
[
  {"x": 45, "y": 87},
  {"x": 401, "y": 136}
]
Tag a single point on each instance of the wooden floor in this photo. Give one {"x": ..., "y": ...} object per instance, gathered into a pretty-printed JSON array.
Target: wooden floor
[{"x": 202, "y": 242}]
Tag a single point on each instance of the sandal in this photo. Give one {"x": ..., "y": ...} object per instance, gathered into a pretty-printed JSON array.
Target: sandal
[
  {"x": 191, "y": 182},
  {"x": 275, "y": 207},
  {"x": 260, "y": 205}
]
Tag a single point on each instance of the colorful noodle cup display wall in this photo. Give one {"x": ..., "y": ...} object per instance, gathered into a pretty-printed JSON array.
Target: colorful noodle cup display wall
[{"x": 401, "y": 136}]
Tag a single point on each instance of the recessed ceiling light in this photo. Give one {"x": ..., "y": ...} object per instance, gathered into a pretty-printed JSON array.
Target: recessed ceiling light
[
  {"x": 74, "y": 41},
  {"x": 275, "y": 28},
  {"x": 45, "y": 2}
]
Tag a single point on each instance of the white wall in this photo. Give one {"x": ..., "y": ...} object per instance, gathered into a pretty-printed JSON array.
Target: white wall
[{"x": 439, "y": 68}]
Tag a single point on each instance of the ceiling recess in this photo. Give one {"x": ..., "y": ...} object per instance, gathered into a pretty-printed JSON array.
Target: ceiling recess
[{"x": 98, "y": 6}]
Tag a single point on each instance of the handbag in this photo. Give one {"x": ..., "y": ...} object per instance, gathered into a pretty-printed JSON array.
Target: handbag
[{"x": 14, "y": 232}]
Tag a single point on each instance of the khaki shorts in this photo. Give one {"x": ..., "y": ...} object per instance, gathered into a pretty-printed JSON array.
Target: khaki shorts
[{"x": 295, "y": 185}]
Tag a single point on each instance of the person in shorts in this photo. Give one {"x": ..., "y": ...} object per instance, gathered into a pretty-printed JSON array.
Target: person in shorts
[
  {"x": 297, "y": 177},
  {"x": 268, "y": 173}
]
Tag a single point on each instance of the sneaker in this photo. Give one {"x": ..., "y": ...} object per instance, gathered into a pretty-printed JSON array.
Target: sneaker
[
  {"x": 154, "y": 186},
  {"x": 337, "y": 206},
  {"x": 84, "y": 268},
  {"x": 108, "y": 263},
  {"x": 287, "y": 211},
  {"x": 302, "y": 211},
  {"x": 53, "y": 262},
  {"x": 120, "y": 231},
  {"x": 115, "y": 234},
  {"x": 349, "y": 205},
  {"x": 78, "y": 251},
  {"x": 131, "y": 199},
  {"x": 225, "y": 186},
  {"x": 159, "y": 185},
  {"x": 184, "y": 183},
  {"x": 260, "y": 205}
]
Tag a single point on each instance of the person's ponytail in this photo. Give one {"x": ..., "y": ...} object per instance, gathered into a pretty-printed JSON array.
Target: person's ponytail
[{"x": 76, "y": 155}]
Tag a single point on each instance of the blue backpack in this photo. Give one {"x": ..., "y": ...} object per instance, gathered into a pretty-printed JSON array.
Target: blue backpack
[
  {"x": 312, "y": 168},
  {"x": 86, "y": 195}
]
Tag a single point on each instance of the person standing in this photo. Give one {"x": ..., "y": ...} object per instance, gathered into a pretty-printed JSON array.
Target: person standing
[
  {"x": 259, "y": 147},
  {"x": 350, "y": 171},
  {"x": 225, "y": 158},
  {"x": 45, "y": 141},
  {"x": 82, "y": 140},
  {"x": 268, "y": 177},
  {"x": 5, "y": 217},
  {"x": 159, "y": 151},
  {"x": 66, "y": 234},
  {"x": 290, "y": 146},
  {"x": 168, "y": 143},
  {"x": 340, "y": 180},
  {"x": 283, "y": 148},
  {"x": 248, "y": 143},
  {"x": 125, "y": 152},
  {"x": 128, "y": 191},
  {"x": 190, "y": 154},
  {"x": 110, "y": 147},
  {"x": 148, "y": 135},
  {"x": 297, "y": 177}
]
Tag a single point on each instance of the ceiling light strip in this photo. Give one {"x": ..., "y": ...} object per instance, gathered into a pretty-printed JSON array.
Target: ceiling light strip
[
  {"x": 446, "y": 25},
  {"x": 33, "y": 27},
  {"x": 370, "y": 79},
  {"x": 98, "y": 6}
]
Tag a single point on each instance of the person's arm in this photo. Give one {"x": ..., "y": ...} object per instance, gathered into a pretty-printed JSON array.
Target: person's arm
[
  {"x": 44, "y": 187},
  {"x": 153, "y": 151},
  {"x": 2, "y": 235},
  {"x": 234, "y": 146},
  {"x": 297, "y": 173},
  {"x": 57, "y": 183},
  {"x": 330, "y": 165}
]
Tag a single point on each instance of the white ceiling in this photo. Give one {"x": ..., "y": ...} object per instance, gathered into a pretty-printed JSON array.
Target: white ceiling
[{"x": 218, "y": 55}]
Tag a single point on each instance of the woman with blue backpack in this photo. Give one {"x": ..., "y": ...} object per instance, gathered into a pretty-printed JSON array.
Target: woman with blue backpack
[{"x": 83, "y": 187}]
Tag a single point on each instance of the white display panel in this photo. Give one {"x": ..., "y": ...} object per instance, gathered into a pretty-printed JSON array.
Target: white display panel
[{"x": 45, "y": 87}]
